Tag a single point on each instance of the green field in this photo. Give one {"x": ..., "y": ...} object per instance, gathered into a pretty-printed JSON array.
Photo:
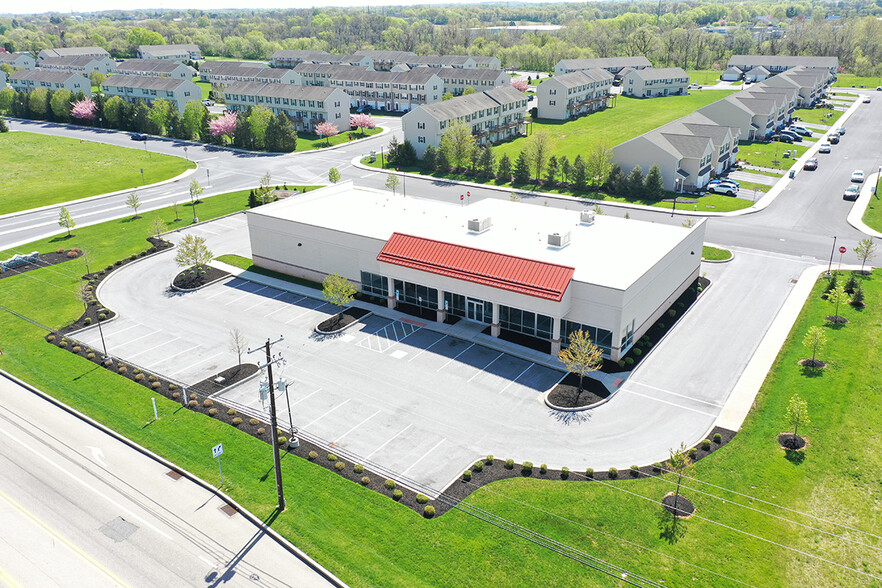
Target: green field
[
  {"x": 309, "y": 141},
  {"x": 205, "y": 87},
  {"x": 844, "y": 80},
  {"x": 631, "y": 117},
  {"x": 39, "y": 169},
  {"x": 705, "y": 77},
  {"x": 873, "y": 214},
  {"x": 767, "y": 154},
  {"x": 820, "y": 116},
  {"x": 715, "y": 253}
]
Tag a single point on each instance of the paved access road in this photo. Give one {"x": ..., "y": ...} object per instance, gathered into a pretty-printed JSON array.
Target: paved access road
[{"x": 79, "y": 508}]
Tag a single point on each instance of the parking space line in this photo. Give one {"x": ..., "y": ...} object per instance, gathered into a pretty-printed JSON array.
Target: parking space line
[
  {"x": 314, "y": 421},
  {"x": 152, "y": 348},
  {"x": 245, "y": 294},
  {"x": 141, "y": 337},
  {"x": 356, "y": 426},
  {"x": 485, "y": 367},
  {"x": 670, "y": 403},
  {"x": 262, "y": 301},
  {"x": 427, "y": 348},
  {"x": 516, "y": 379},
  {"x": 453, "y": 358},
  {"x": 288, "y": 304},
  {"x": 177, "y": 353},
  {"x": 192, "y": 365},
  {"x": 426, "y": 454},
  {"x": 305, "y": 313},
  {"x": 714, "y": 404},
  {"x": 307, "y": 396},
  {"x": 132, "y": 326},
  {"x": 392, "y": 438}
]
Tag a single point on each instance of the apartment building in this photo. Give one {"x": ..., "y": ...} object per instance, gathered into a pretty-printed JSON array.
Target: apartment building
[
  {"x": 389, "y": 90},
  {"x": 27, "y": 80},
  {"x": 17, "y": 60},
  {"x": 611, "y": 64},
  {"x": 654, "y": 82},
  {"x": 776, "y": 64},
  {"x": 320, "y": 74},
  {"x": 306, "y": 106},
  {"x": 494, "y": 115},
  {"x": 222, "y": 73},
  {"x": 72, "y": 52},
  {"x": 573, "y": 94},
  {"x": 293, "y": 57},
  {"x": 79, "y": 64},
  {"x": 456, "y": 80},
  {"x": 439, "y": 61},
  {"x": 170, "y": 52},
  {"x": 386, "y": 60},
  {"x": 156, "y": 68},
  {"x": 150, "y": 89}
]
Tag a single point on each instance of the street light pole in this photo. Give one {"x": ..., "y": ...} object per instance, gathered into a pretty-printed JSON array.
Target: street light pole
[
  {"x": 277, "y": 461},
  {"x": 830, "y": 265}
]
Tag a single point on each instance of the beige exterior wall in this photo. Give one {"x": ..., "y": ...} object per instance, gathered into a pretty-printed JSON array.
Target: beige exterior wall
[
  {"x": 185, "y": 92},
  {"x": 643, "y": 152},
  {"x": 334, "y": 108},
  {"x": 633, "y": 84},
  {"x": 457, "y": 85},
  {"x": 75, "y": 83}
]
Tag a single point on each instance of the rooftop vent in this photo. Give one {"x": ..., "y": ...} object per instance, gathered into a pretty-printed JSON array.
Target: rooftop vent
[
  {"x": 479, "y": 225},
  {"x": 587, "y": 217},
  {"x": 558, "y": 240}
]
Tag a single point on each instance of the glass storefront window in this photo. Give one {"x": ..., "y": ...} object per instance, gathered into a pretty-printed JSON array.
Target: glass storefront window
[
  {"x": 469, "y": 308},
  {"x": 421, "y": 296},
  {"x": 600, "y": 337},
  {"x": 374, "y": 284},
  {"x": 526, "y": 322}
]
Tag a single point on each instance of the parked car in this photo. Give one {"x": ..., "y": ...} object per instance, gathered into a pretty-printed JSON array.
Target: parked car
[
  {"x": 834, "y": 139},
  {"x": 790, "y": 134},
  {"x": 825, "y": 148},
  {"x": 781, "y": 138},
  {"x": 879, "y": 88},
  {"x": 851, "y": 193},
  {"x": 727, "y": 189},
  {"x": 724, "y": 181},
  {"x": 693, "y": 86},
  {"x": 841, "y": 131},
  {"x": 867, "y": 100},
  {"x": 810, "y": 164},
  {"x": 208, "y": 102},
  {"x": 857, "y": 176},
  {"x": 139, "y": 137},
  {"x": 800, "y": 130}
]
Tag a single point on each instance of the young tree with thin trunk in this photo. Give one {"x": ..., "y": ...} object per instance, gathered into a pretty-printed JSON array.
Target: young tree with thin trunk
[
  {"x": 158, "y": 227},
  {"x": 679, "y": 463},
  {"x": 837, "y": 296},
  {"x": 175, "y": 207},
  {"x": 815, "y": 339},
  {"x": 797, "y": 414},
  {"x": 193, "y": 252},
  {"x": 457, "y": 143},
  {"x": 333, "y": 175},
  {"x": 598, "y": 163},
  {"x": 238, "y": 344},
  {"x": 326, "y": 130},
  {"x": 581, "y": 357},
  {"x": 392, "y": 183},
  {"x": 66, "y": 221},
  {"x": 866, "y": 251},
  {"x": 338, "y": 290},
  {"x": 134, "y": 202},
  {"x": 538, "y": 149},
  {"x": 196, "y": 190}
]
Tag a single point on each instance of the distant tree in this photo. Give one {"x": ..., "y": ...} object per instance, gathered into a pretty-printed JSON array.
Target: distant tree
[
  {"x": 194, "y": 112},
  {"x": 174, "y": 124},
  {"x": 7, "y": 95},
  {"x": 326, "y": 130},
  {"x": 287, "y": 139},
  {"x": 196, "y": 190},
  {"x": 97, "y": 78},
  {"x": 503, "y": 170},
  {"x": 520, "y": 85},
  {"x": 653, "y": 184},
  {"x": 140, "y": 119},
  {"x": 521, "y": 174},
  {"x": 224, "y": 126},
  {"x": 635, "y": 182},
  {"x": 797, "y": 414},
  {"x": 815, "y": 339},
  {"x": 113, "y": 114},
  {"x": 338, "y": 290},
  {"x": 175, "y": 208},
  {"x": 65, "y": 220},
  {"x": 60, "y": 104},
  {"x": 158, "y": 227},
  {"x": 38, "y": 102},
  {"x": 551, "y": 170},
  {"x": 158, "y": 114},
  {"x": 487, "y": 161},
  {"x": 580, "y": 174},
  {"x": 616, "y": 183},
  {"x": 258, "y": 122},
  {"x": 4, "y": 128},
  {"x": 447, "y": 96},
  {"x": 238, "y": 344},
  {"x": 539, "y": 146},
  {"x": 442, "y": 164},
  {"x": 392, "y": 151},
  {"x": 265, "y": 192},
  {"x": 134, "y": 202},
  {"x": 193, "y": 252},
  {"x": 429, "y": 157},
  {"x": 581, "y": 356},
  {"x": 565, "y": 168},
  {"x": 392, "y": 183},
  {"x": 141, "y": 36},
  {"x": 83, "y": 109},
  {"x": 362, "y": 121},
  {"x": 333, "y": 175},
  {"x": 252, "y": 199},
  {"x": 857, "y": 297},
  {"x": 599, "y": 161},
  {"x": 457, "y": 142},
  {"x": 866, "y": 251}
]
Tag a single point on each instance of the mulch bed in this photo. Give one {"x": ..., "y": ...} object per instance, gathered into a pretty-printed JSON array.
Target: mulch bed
[
  {"x": 791, "y": 441},
  {"x": 566, "y": 393},
  {"x": 45, "y": 260},
  {"x": 836, "y": 320},
  {"x": 341, "y": 320},
  {"x": 190, "y": 278},
  {"x": 228, "y": 377},
  {"x": 812, "y": 363},
  {"x": 680, "y": 507}
]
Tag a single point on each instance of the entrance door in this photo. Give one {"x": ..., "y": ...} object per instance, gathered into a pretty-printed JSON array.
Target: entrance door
[{"x": 475, "y": 310}]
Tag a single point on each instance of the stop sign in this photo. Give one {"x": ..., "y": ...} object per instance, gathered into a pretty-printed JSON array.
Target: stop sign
[{"x": 842, "y": 249}]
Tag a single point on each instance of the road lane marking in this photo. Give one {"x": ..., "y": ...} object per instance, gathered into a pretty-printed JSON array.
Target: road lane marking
[
  {"x": 7, "y": 579},
  {"x": 425, "y": 455},
  {"x": 454, "y": 358},
  {"x": 714, "y": 404},
  {"x": 356, "y": 426},
  {"x": 670, "y": 403},
  {"x": 480, "y": 371},
  {"x": 392, "y": 438}
]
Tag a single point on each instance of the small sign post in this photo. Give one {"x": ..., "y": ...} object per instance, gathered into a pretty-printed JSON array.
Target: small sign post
[
  {"x": 155, "y": 414},
  {"x": 217, "y": 451}
]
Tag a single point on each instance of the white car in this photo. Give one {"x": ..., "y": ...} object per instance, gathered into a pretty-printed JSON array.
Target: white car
[
  {"x": 825, "y": 148},
  {"x": 867, "y": 100},
  {"x": 857, "y": 176}
]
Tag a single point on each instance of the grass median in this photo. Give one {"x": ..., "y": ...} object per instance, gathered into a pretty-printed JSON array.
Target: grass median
[
  {"x": 368, "y": 540},
  {"x": 39, "y": 170}
]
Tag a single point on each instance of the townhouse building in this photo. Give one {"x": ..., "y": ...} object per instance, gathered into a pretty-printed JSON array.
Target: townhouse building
[
  {"x": 439, "y": 61},
  {"x": 27, "y": 80},
  {"x": 653, "y": 82},
  {"x": 150, "y": 89},
  {"x": 17, "y": 60},
  {"x": 386, "y": 60},
  {"x": 306, "y": 106},
  {"x": 611, "y": 64},
  {"x": 72, "y": 52},
  {"x": 156, "y": 68},
  {"x": 320, "y": 74},
  {"x": 170, "y": 52},
  {"x": 389, "y": 90},
  {"x": 573, "y": 94},
  {"x": 222, "y": 73},
  {"x": 494, "y": 115},
  {"x": 80, "y": 64},
  {"x": 776, "y": 64},
  {"x": 757, "y": 74},
  {"x": 456, "y": 80},
  {"x": 291, "y": 58}
]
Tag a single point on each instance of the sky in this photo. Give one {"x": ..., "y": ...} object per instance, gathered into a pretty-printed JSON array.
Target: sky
[{"x": 67, "y": 6}]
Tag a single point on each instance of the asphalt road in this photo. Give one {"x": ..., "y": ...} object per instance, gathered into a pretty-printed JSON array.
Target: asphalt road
[{"x": 79, "y": 508}]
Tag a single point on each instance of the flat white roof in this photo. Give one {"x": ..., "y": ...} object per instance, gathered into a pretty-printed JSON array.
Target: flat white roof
[{"x": 613, "y": 252}]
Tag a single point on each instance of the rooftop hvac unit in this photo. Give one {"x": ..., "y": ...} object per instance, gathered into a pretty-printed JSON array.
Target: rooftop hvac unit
[
  {"x": 558, "y": 240},
  {"x": 479, "y": 225},
  {"x": 587, "y": 217}
]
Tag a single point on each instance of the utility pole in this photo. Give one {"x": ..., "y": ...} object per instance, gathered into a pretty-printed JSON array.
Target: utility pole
[
  {"x": 277, "y": 462},
  {"x": 830, "y": 265}
]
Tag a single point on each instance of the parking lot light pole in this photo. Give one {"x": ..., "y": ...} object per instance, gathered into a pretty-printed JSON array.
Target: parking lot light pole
[
  {"x": 277, "y": 462},
  {"x": 830, "y": 265}
]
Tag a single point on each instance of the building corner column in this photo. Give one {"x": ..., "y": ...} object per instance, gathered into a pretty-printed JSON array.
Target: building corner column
[
  {"x": 555, "y": 336},
  {"x": 494, "y": 325},
  {"x": 441, "y": 311}
]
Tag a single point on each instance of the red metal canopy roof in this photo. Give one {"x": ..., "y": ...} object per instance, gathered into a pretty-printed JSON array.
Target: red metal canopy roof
[{"x": 507, "y": 272}]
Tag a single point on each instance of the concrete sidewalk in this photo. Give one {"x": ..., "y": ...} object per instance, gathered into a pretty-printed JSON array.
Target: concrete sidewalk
[{"x": 856, "y": 214}]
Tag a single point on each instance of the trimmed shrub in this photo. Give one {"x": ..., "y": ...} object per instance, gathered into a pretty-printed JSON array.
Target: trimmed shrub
[
  {"x": 156, "y": 385},
  {"x": 429, "y": 511},
  {"x": 621, "y": 362},
  {"x": 282, "y": 440},
  {"x": 479, "y": 466},
  {"x": 613, "y": 473},
  {"x": 543, "y": 469},
  {"x": 231, "y": 412},
  {"x": 50, "y": 338},
  {"x": 175, "y": 395},
  {"x": 564, "y": 473},
  {"x": 672, "y": 313},
  {"x": 340, "y": 466},
  {"x": 61, "y": 250},
  {"x": 312, "y": 456},
  {"x": 422, "y": 498},
  {"x": 136, "y": 371},
  {"x": 489, "y": 460},
  {"x": 527, "y": 468},
  {"x": 102, "y": 317},
  {"x": 365, "y": 481},
  {"x": 122, "y": 369},
  {"x": 140, "y": 377},
  {"x": 705, "y": 444},
  {"x": 718, "y": 438},
  {"x": 212, "y": 411},
  {"x": 692, "y": 453},
  {"x": 253, "y": 422},
  {"x": 193, "y": 396},
  {"x": 90, "y": 355},
  {"x": 589, "y": 473},
  {"x": 509, "y": 464},
  {"x": 467, "y": 476},
  {"x": 390, "y": 484},
  {"x": 397, "y": 494},
  {"x": 72, "y": 254},
  {"x": 236, "y": 421},
  {"x": 208, "y": 402},
  {"x": 63, "y": 344},
  {"x": 87, "y": 321},
  {"x": 76, "y": 349},
  {"x": 635, "y": 471},
  {"x": 637, "y": 352},
  {"x": 261, "y": 431},
  {"x": 656, "y": 467},
  {"x": 358, "y": 468},
  {"x": 332, "y": 457},
  {"x": 192, "y": 404},
  {"x": 172, "y": 386},
  {"x": 629, "y": 361},
  {"x": 152, "y": 378}
]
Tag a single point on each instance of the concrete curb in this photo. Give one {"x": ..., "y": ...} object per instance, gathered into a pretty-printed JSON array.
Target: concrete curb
[
  {"x": 284, "y": 543},
  {"x": 338, "y": 331},
  {"x": 552, "y": 406},
  {"x": 856, "y": 214},
  {"x": 731, "y": 254},
  {"x": 741, "y": 400}
]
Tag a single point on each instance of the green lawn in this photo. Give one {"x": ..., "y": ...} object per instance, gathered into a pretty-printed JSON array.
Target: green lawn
[
  {"x": 819, "y": 116},
  {"x": 715, "y": 253},
  {"x": 368, "y": 540},
  {"x": 631, "y": 117},
  {"x": 844, "y": 80},
  {"x": 754, "y": 185},
  {"x": 309, "y": 141},
  {"x": 705, "y": 77},
  {"x": 39, "y": 169},
  {"x": 205, "y": 87},
  {"x": 873, "y": 215},
  {"x": 766, "y": 154},
  {"x": 246, "y": 263}
]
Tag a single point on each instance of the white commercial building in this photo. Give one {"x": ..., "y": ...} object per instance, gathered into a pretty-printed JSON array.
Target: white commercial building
[
  {"x": 521, "y": 270},
  {"x": 571, "y": 95},
  {"x": 150, "y": 89},
  {"x": 306, "y": 106}
]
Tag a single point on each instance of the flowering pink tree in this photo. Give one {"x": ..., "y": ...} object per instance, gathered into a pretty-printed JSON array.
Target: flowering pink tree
[
  {"x": 223, "y": 126},
  {"x": 84, "y": 109},
  {"x": 327, "y": 130},
  {"x": 362, "y": 121},
  {"x": 519, "y": 85}
]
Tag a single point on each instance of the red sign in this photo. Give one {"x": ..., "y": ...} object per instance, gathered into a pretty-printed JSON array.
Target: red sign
[
  {"x": 469, "y": 194},
  {"x": 842, "y": 249},
  {"x": 461, "y": 197}
]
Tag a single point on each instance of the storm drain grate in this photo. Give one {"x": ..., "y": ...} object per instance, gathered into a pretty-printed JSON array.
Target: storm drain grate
[
  {"x": 174, "y": 475},
  {"x": 119, "y": 529},
  {"x": 228, "y": 510},
  {"x": 792, "y": 281}
]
